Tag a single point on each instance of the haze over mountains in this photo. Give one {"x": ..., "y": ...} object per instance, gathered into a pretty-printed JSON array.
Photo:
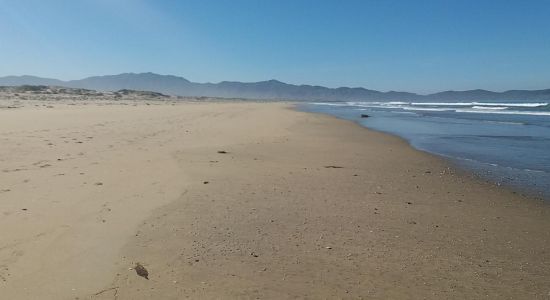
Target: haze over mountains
[{"x": 271, "y": 89}]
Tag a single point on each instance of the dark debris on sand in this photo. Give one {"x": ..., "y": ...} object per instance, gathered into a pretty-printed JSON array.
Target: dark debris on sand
[{"x": 141, "y": 271}]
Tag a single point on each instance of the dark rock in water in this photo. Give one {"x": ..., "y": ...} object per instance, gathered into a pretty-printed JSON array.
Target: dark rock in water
[
  {"x": 222, "y": 152},
  {"x": 141, "y": 271},
  {"x": 365, "y": 116}
]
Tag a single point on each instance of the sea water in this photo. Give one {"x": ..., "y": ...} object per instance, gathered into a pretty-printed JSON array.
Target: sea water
[{"x": 507, "y": 142}]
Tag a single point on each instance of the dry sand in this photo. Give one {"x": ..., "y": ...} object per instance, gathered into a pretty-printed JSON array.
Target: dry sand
[{"x": 300, "y": 206}]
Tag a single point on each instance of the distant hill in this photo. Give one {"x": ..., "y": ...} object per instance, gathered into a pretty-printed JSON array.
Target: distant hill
[
  {"x": 271, "y": 89},
  {"x": 29, "y": 80}
]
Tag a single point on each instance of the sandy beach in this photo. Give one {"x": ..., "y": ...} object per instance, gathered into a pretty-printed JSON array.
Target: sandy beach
[{"x": 237, "y": 200}]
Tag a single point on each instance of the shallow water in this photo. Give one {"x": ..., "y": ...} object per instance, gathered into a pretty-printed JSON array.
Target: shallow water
[{"x": 505, "y": 142}]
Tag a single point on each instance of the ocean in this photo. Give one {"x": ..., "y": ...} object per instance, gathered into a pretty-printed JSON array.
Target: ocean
[{"x": 506, "y": 142}]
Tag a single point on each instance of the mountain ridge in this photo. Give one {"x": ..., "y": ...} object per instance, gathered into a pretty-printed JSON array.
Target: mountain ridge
[{"x": 269, "y": 89}]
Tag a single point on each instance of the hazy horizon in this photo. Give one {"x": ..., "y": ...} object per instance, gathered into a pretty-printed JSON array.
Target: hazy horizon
[
  {"x": 237, "y": 81},
  {"x": 385, "y": 46}
]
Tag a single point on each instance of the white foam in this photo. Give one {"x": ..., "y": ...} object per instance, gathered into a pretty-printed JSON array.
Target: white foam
[
  {"x": 376, "y": 104},
  {"x": 476, "y": 107},
  {"x": 365, "y": 104},
  {"x": 427, "y": 109},
  {"x": 505, "y": 112},
  {"x": 538, "y": 104},
  {"x": 329, "y": 104},
  {"x": 490, "y": 107},
  {"x": 504, "y": 122},
  {"x": 442, "y": 103},
  {"x": 486, "y": 104}
]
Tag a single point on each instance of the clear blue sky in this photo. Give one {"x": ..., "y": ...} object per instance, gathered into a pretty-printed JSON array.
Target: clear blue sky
[{"x": 420, "y": 46}]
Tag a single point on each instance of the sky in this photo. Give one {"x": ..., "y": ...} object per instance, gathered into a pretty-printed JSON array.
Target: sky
[{"x": 418, "y": 46}]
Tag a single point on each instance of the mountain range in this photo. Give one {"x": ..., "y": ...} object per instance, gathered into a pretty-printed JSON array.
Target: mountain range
[{"x": 271, "y": 89}]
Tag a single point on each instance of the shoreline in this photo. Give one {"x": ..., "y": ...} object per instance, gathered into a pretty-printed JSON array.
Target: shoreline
[
  {"x": 300, "y": 205},
  {"x": 459, "y": 164}
]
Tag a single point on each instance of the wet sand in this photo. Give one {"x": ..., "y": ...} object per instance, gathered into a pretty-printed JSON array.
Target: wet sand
[{"x": 299, "y": 206}]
